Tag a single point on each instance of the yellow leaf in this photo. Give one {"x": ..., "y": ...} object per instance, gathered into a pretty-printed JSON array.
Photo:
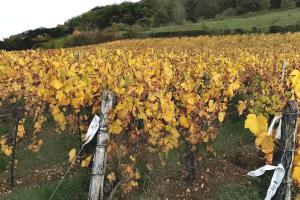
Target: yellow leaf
[
  {"x": 294, "y": 82},
  {"x": 168, "y": 108},
  {"x": 35, "y": 146},
  {"x": 266, "y": 143},
  {"x": 191, "y": 100},
  {"x": 122, "y": 83},
  {"x": 56, "y": 84},
  {"x": 211, "y": 106},
  {"x": 297, "y": 158},
  {"x": 294, "y": 77},
  {"x": 111, "y": 177},
  {"x": 184, "y": 121},
  {"x": 296, "y": 174},
  {"x": 116, "y": 127},
  {"x": 72, "y": 155},
  {"x": 132, "y": 158},
  {"x": 60, "y": 96},
  {"x": 3, "y": 141},
  {"x": 241, "y": 107},
  {"x": 7, "y": 150},
  {"x": 21, "y": 130},
  {"x": 16, "y": 87},
  {"x": 86, "y": 162},
  {"x": 221, "y": 116},
  {"x": 133, "y": 183},
  {"x": 60, "y": 118},
  {"x": 137, "y": 175},
  {"x": 257, "y": 125},
  {"x": 149, "y": 166},
  {"x": 206, "y": 139},
  {"x": 37, "y": 125}
]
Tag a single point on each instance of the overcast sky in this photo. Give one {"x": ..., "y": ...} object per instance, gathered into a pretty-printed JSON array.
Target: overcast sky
[{"x": 17, "y": 16}]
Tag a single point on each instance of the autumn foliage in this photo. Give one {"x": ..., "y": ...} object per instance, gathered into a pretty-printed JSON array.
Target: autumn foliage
[{"x": 169, "y": 91}]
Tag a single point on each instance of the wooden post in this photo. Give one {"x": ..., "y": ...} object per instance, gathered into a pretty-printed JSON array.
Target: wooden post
[
  {"x": 17, "y": 115},
  {"x": 78, "y": 130},
  {"x": 99, "y": 161},
  {"x": 189, "y": 162},
  {"x": 284, "y": 151},
  {"x": 283, "y": 72}
]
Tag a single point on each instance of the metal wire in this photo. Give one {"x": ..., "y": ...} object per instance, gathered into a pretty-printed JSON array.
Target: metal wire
[{"x": 64, "y": 176}]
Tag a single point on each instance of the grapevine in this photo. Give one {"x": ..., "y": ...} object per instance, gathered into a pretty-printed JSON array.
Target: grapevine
[{"x": 169, "y": 91}]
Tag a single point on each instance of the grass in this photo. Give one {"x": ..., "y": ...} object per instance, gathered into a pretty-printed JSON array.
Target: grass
[
  {"x": 222, "y": 173},
  {"x": 74, "y": 188},
  {"x": 261, "y": 21},
  {"x": 5, "y": 128},
  {"x": 53, "y": 151},
  {"x": 59, "y": 42},
  {"x": 236, "y": 191}
]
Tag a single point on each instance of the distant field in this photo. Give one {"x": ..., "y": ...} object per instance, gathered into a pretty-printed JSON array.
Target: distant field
[{"x": 261, "y": 21}]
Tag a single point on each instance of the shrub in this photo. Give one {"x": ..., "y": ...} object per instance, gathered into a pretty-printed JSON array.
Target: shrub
[
  {"x": 287, "y": 3},
  {"x": 276, "y": 29},
  {"x": 229, "y": 12},
  {"x": 145, "y": 22}
]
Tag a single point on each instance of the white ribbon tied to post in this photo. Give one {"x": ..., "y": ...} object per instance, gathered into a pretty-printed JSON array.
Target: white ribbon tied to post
[
  {"x": 278, "y": 131},
  {"x": 93, "y": 128},
  {"x": 279, "y": 170},
  {"x": 276, "y": 179}
]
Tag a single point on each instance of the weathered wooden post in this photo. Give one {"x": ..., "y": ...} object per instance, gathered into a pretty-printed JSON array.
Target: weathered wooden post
[
  {"x": 284, "y": 152},
  {"x": 99, "y": 161},
  {"x": 79, "y": 130},
  {"x": 16, "y": 112}
]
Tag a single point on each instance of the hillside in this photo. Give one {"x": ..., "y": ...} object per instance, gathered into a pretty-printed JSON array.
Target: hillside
[
  {"x": 157, "y": 18},
  {"x": 247, "y": 22},
  {"x": 276, "y": 21}
]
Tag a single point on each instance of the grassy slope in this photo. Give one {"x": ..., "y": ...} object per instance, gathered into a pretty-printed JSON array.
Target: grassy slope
[
  {"x": 259, "y": 20},
  {"x": 219, "y": 177},
  {"x": 277, "y": 18}
]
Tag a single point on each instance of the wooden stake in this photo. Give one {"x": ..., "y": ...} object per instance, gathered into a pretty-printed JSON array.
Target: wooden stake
[
  {"x": 99, "y": 161},
  {"x": 78, "y": 130},
  {"x": 17, "y": 115},
  {"x": 283, "y": 72},
  {"x": 284, "y": 151}
]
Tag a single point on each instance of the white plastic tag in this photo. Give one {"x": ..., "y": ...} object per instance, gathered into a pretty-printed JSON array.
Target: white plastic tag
[
  {"x": 276, "y": 179},
  {"x": 94, "y": 126},
  {"x": 271, "y": 127}
]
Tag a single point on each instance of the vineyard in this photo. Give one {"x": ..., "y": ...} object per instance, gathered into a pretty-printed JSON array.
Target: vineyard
[{"x": 169, "y": 94}]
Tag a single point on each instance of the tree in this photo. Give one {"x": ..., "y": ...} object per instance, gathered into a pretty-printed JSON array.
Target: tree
[
  {"x": 275, "y": 4},
  {"x": 196, "y": 9},
  {"x": 159, "y": 11},
  {"x": 201, "y": 8},
  {"x": 244, "y": 6},
  {"x": 178, "y": 10},
  {"x": 190, "y": 7},
  {"x": 287, "y": 3},
  {"x": 264, "y": 4}
]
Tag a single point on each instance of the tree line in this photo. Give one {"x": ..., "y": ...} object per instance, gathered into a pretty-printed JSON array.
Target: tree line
[{"x": 123, "y": 20}]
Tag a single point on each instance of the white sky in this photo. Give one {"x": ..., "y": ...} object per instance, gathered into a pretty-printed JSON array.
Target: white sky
[{"x": 17, "y": 16}]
